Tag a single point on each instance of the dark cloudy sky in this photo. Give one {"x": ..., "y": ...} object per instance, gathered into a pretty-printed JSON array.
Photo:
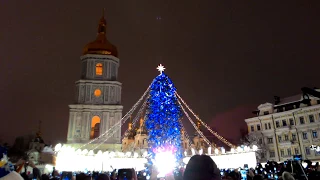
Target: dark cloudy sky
[{"x": 225, "y": 57}]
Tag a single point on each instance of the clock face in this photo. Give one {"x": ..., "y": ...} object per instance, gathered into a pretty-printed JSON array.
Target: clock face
[{"x": 97, "y": 92}]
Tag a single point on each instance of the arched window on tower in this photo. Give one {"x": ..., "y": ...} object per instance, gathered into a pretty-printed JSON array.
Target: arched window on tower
[
  {"x": 99, "y": 69},
  {"x": 95, "y": 127}
]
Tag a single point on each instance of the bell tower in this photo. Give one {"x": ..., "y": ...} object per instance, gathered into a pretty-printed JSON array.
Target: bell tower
[{"x": 97, "y": 104}]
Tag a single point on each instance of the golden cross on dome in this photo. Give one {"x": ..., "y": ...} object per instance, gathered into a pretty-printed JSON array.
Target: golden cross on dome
[{"x": 161, "y": 68}]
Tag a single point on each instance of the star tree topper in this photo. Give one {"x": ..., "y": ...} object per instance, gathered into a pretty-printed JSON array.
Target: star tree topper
[{"x": 161, "y": 68}]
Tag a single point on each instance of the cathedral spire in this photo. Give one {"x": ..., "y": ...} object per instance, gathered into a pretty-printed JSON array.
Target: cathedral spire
[
  {"x": 102, "y": 28},
  {"x": 39, "y": 129},
  {"x": 141, "y": 121},
  {"x": 199, "y": 124},
  {"x": 101, "y": 45}
]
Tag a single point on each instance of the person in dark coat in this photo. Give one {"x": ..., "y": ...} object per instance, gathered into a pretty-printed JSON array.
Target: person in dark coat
[{"x": 201, "y": 167}]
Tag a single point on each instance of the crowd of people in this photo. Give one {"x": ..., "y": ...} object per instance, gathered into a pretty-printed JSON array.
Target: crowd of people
[{"x": 200, "y": 167}]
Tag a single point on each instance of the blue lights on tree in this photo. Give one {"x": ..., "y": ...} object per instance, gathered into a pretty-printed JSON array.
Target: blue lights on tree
[{"x": 163, "y": 113}]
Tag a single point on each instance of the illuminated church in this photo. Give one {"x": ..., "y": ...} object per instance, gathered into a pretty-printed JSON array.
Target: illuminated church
[
  {"x": 97, "y": 104},
  {"x": 137, "y": 139}
]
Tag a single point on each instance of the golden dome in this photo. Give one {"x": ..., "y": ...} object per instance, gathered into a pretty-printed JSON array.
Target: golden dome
[{"x": 101, "y": 45}]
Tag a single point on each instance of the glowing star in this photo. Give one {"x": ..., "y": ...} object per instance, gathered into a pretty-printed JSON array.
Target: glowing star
[{"x": 161, "y": 68}]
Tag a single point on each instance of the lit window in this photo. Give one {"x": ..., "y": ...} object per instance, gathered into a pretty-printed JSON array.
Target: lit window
[
  {"x": 97, "y": 92},
  {"x": 95, "y": 127},
  {"x": 99, "y": 69}
]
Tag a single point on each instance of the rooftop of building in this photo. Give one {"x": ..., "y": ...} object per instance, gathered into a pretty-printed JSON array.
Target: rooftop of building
[{"x": 308, "y": 97}]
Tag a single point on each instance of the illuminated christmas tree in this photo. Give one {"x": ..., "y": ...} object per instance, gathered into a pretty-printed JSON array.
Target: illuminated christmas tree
[{"x": 164, "y": 129}]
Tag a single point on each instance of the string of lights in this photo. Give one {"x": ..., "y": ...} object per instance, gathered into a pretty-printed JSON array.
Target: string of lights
[
  {"x": 213, "y": 144},
  {"x": 122, "y": 122},
  {"x": 193, "y": 124},
  {"x": 222, "y": 139},
  {"x": 109, "y": 135},
  {"x": 185, "y": 133},
  {"x": 134, "y": 144},
  {"x": 136, "y": 118},
  {"x": 124, "y": 118},
  {"x": 143, "y": 107}
]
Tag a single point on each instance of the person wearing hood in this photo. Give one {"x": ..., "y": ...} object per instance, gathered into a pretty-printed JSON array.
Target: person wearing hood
[{"x": 201, "y": 167}]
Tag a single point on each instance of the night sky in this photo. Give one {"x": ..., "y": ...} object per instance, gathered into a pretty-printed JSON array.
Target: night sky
[{"x": 224, "y": 57}]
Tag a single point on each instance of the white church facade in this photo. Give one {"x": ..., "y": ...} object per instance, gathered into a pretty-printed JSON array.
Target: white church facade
[{"x": 97, "y": 104}]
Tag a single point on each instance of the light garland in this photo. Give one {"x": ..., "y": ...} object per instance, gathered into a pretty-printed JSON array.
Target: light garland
[
  {"x": 122, "y": 122},
  {"x": 112, "y": 133},
  {"x": 134, "y": 144},
  {"x": 204, "y": 124},
  {"x": 124, "y": 118},
  {"x": 194, "y": 125},
  {"x": 185, "y": 133},
  {"x": 136, "y": 117}
]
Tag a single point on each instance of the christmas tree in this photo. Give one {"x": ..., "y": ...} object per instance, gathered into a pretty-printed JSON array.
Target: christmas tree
[{"x": 163, "y": 114}]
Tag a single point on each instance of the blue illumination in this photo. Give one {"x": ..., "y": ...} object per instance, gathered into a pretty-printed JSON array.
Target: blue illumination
[{"x": 163, "y": 115}]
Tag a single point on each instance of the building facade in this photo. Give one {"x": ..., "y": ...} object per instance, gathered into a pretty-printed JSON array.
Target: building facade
[
  {"x": 97, "y": 105},
  {"x": 288, "y": 127}
]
